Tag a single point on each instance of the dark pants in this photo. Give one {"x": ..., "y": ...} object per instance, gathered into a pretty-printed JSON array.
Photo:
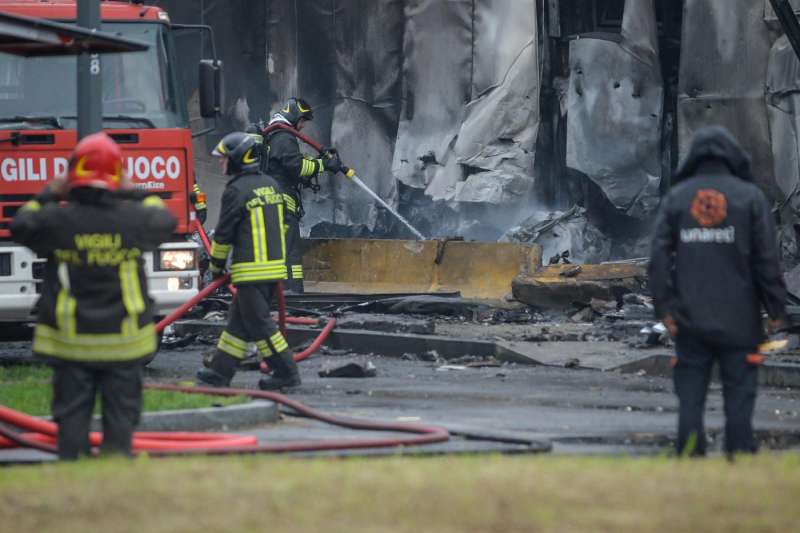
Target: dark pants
[
  {"x": 692, "y": 375},
  {"x": 75, "y": 386},
  {"x": 294, "y": 253},
  {"x": 249, "y": 316}
]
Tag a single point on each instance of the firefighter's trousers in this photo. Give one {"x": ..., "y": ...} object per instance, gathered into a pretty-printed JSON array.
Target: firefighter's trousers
[
  {"x": 75, "y": 386},
  {"x": 294, "y": 253},
  {"x": 249, "y": 320},
  {"x": 692, "y": 375}
]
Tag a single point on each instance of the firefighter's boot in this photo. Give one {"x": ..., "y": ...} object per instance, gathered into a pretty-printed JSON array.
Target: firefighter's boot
[
  {"x": 284, "y": 374},
  {"x": 219, "y": 371}
]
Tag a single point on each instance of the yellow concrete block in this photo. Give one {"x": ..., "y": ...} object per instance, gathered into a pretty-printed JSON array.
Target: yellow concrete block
[{"x": 476, "y": 269}]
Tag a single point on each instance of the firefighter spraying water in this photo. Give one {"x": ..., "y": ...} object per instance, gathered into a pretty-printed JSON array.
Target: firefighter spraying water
[{"x": 380, "y": 200}]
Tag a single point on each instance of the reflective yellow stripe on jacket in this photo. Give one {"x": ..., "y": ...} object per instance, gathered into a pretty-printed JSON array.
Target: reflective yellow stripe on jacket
[
  {"x": 266, "y": 271},
  {"x": 220, "y": 251},
  {"x": 290, "y": 203},
  {"x": 131, "y": 296},
  {"x": 259, "y": 234},
  {"x": 94, "y": 346}
]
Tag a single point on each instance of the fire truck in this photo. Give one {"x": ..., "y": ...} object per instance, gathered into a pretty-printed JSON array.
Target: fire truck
[{"x": 144, "y": 109}]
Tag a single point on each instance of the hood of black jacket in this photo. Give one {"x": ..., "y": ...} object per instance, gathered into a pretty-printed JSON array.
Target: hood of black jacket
[{"x": 715, "y": 143}]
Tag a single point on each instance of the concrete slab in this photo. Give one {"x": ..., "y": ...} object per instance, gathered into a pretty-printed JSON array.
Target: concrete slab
[
  {"x": 597, "y": 355},
  {"x": 211, "y": 418},
  {"x": 386, "y": 266},
  {"x": 771, "y": 373},
  {"x": 561, "y": 286}
]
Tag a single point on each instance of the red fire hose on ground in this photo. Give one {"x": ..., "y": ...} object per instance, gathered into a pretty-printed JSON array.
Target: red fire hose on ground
[{"x": 38, "y": 434}]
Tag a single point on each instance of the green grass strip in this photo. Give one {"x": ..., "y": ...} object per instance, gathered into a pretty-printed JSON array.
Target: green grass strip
[
  {"x": 27, "y": 389},
  {"x": 405, "y": 495}
]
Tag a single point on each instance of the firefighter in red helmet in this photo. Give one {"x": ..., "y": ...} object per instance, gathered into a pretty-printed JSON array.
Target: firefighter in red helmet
[{"x": 94, "y": 319}]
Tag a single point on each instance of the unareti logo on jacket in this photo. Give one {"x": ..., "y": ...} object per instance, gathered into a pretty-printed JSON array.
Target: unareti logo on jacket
[{"x": 709, "y": 235}]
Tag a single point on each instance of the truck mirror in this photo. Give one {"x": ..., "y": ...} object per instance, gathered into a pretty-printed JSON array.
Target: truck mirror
[{"x": 210, "y": 88}]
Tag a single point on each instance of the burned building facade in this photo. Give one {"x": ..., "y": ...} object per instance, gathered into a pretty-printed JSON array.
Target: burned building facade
[{"x": 478, "y": 116}]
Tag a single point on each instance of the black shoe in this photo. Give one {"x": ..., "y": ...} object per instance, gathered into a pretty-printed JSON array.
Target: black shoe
[
  {"x": 206, "y": 376},
  {"x": 219, "y": 370},
  {"x": 277, "y": 383},
  {"x": 284, "y": 375}
]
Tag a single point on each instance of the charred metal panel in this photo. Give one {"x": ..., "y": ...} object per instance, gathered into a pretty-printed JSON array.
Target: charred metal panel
[
  {"x": 725, "y": 51},
  {"x": 501, "y": 123},
  {"x": 783, "y": 104},
  {"x": 437, "y": 82},
  {"x": 369, "y": 47},
  {"x": 614, "y": 111}
]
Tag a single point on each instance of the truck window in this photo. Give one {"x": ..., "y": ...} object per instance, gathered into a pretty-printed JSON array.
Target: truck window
[{"x": 137, "y": 84}]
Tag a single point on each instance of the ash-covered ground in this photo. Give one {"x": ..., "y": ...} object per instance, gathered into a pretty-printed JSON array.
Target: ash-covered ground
[{"x": 593, "y": 382}]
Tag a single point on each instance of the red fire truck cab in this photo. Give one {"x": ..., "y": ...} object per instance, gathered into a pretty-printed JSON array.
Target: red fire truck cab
[{"x": 144, "y": 110}]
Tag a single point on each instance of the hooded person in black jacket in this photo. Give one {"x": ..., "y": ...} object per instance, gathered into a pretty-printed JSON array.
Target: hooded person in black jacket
[{"x": 714, "y": 263}]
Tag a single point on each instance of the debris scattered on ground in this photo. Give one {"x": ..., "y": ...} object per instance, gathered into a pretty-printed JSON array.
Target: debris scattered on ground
[
  {"x": 422, "y": 305},
  {"x": 216, "y": 316},
  {"x": 563, "y": 234},
  {"x": 431, "y": 356},
  {"x": 514, "y": 316},
  {"x": 327, "y": 350},
  {"x": 388, "y": 323},
  {"x": 173, "y": 342},
  {"x": 475, "y": 361},
  {"x": 350, "y": 370},
  {"x": 584, "y": 315},
  {"x": 445, "y": 368},
  {"x": 655, "y": 335},
  {"x": 572, "y": 363}
]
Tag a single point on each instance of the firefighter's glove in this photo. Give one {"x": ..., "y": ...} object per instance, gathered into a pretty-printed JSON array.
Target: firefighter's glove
[
  {"x": 332, "y": 162},
  {"x": 217, "y": 270}
]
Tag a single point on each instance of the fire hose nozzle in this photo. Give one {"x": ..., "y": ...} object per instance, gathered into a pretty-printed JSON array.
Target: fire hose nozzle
[{"x": 349, "y": 173}]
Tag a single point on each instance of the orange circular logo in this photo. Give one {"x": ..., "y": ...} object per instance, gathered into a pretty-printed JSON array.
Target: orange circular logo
[{"x": 709, "y": 207}]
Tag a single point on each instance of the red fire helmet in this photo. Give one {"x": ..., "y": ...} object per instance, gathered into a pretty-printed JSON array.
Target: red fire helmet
[{"x": 96, "y": 162}]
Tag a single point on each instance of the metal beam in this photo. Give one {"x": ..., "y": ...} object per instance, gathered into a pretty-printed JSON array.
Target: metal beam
[
  {"x": 787, "y": 18},
  {"x": 90, "y": 80},
  {"x": 28, "y": 36}
]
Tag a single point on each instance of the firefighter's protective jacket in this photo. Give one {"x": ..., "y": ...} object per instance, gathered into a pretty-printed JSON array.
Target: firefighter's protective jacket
[
  {"x": 94, "y": 304},
  {"x": 714, "y": 259},
  {"x": 251, "y": 225},
  {"x": 289, "y": 166}
]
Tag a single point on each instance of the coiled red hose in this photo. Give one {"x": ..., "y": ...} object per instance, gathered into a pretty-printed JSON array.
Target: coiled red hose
[
  {"x": 43, "y": 431},
  {"x": 40, "y": 434}
]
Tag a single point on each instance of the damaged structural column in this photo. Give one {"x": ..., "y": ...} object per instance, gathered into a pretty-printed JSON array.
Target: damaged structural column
[
  {"x": 725, "y": 51},
  {"x": 470, "y": 116},
  {"x": 783, "y": 110},
  {"x": 367, "y": 108},
  {"x": 614, "y": 111},
  {"x": 344, "y": 57}
]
